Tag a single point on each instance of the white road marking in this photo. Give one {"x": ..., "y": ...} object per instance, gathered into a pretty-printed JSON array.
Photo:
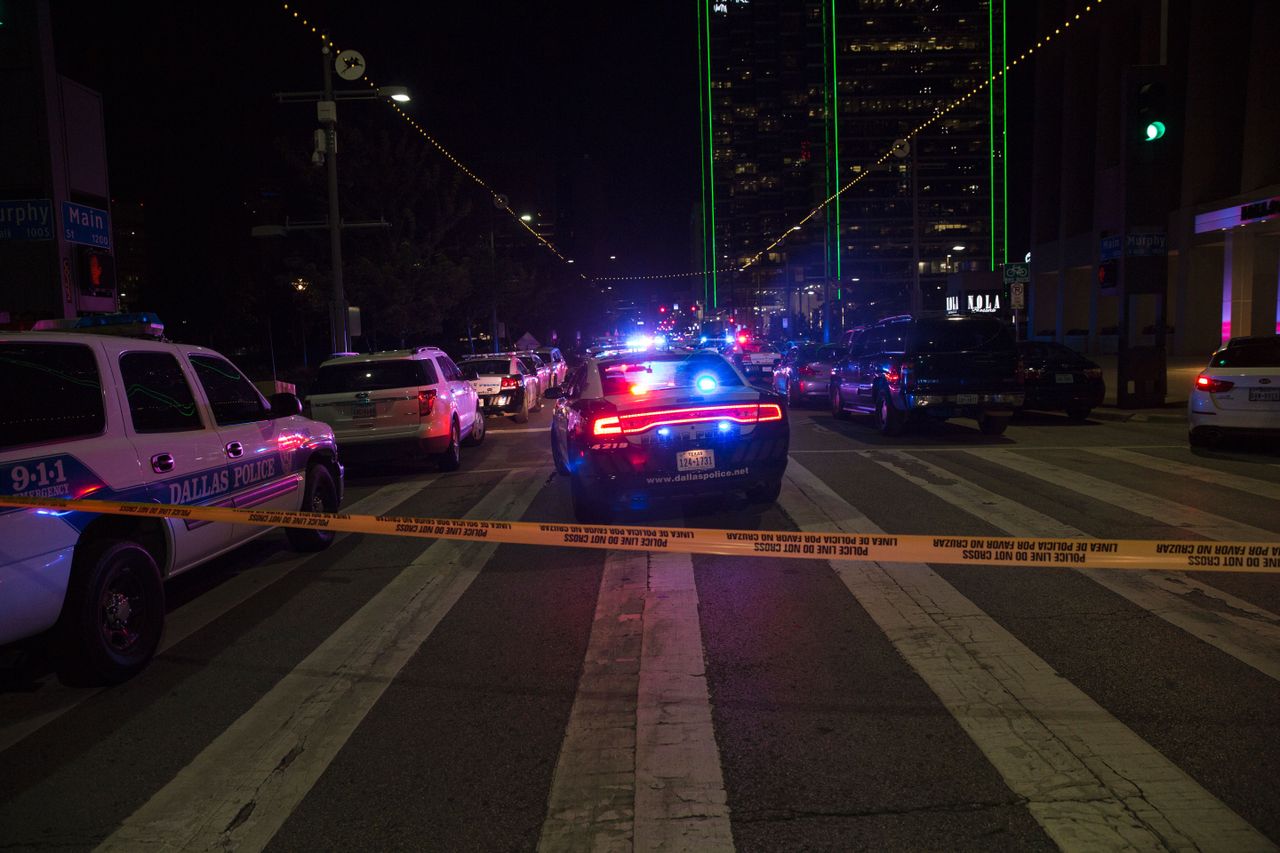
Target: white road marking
[
  {"x": 56, "y": 699},
  {"x": 1243, "y": 630},
  {"x": 1173, "y": 514},
  {"x": 1088, "y": 779},
  {"x": 952, "y": 448},
  {"x": 239, "y": 791},
  {"x": 520, "y": 429},
  {"x": 1263, "y": 488},
  {"x": 639, "y": 768}
]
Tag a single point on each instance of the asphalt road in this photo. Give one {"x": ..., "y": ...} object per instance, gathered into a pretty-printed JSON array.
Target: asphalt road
[{"x": 397, "y": 694}]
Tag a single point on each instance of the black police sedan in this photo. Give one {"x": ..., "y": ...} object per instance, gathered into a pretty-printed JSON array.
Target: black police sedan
[
  {"x": 666, "y": 424},
  {"x": 1058, "y": 378}
]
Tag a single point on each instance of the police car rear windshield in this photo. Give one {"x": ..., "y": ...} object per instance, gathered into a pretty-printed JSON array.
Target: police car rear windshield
[
  {"x": 649, "y": 372},
  {"x": 373, "y": 376},
  {"x": 491, "y": 367},
  {"x": 1259, "y": 353}
]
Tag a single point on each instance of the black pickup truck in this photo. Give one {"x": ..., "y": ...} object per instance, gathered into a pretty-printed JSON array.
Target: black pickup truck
[{"x": 905, "y": 369}]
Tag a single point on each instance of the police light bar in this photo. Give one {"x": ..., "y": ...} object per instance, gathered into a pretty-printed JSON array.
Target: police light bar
[{"x": 133, "y": 325}]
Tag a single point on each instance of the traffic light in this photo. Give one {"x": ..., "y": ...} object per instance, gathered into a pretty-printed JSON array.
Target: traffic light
[
  {"x": 1151, "y": 110},
  {"x": 95, "y": 271}
]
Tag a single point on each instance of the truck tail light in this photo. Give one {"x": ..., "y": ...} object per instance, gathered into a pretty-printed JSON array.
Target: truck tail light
[
  {"x": 510, "y": 382},
  {"x": 426, "y": 402},
  {"x": 1213, "y": 386}
]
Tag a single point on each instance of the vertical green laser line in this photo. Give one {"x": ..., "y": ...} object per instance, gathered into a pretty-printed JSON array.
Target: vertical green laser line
[
  {"x": 1004, "y": 118},
  {"x": 711, "y": 163},
  {"x": 835, "y": 135},
  {"x": 991, "y": 122},
  {"x": 702, "y": 162},
  {"x": 826, "y": 145}
]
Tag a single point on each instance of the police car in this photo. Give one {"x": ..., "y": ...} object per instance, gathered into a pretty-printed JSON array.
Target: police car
[{"x": 104, "y": 408}]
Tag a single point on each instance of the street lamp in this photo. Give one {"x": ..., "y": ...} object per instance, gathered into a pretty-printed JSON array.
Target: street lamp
[{"x": 350, "y": 66}]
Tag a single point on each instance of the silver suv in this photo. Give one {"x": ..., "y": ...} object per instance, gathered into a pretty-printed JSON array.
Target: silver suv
[
  {"x": 406, "y": 402},
  {"x": 122, "y": 415}
]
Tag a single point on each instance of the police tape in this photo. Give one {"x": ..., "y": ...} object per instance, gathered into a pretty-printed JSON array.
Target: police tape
[{"x": 1142, "y": 554}]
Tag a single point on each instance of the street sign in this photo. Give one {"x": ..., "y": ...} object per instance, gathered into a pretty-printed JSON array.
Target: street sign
[
  {"x": 26, "y": 219},
  {"x": 86, "y": 225},
  {"x": 1016, "y": 272},
  {"x": 1017, "y": 295},
  {"x": 1109, "y": 248}
]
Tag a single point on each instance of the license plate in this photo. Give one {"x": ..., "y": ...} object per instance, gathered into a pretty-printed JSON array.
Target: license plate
[
  {"x": 695, "y": 460},
  {"x": 967, "y": 399},
  {"x": 365, "y": 410},
  {"x": 1264, "y": 395},
  {"x": 1063, "y": 378},
  {"x": 768, "y": 369}
]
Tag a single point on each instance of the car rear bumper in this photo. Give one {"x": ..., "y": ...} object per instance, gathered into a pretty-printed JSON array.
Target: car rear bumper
[
  {"x": 629, "y": 476},
  {"x": 963, "y": 405},
  {"x": 509, "y": 403}
]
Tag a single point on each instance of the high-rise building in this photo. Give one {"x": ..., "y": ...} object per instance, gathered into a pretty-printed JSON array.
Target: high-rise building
[{"x": 801, "y": 98}]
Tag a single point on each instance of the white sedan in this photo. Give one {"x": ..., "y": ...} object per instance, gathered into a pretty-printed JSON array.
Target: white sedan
[{"x": 1238, "y": 393}]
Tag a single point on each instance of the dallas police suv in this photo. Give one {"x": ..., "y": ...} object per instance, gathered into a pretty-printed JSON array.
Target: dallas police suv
[{"x": 103, "y": 408}]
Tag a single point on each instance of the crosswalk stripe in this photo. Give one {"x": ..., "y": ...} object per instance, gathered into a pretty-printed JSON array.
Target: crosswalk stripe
[
  {"x": 1167, "y": 512},
  {"x": 1241, "y": 629},
  {"x": 240, "y": 789},
  {"x": 1088, "y": 779},
  {"x": 1254, "y": 486},
  {"x": 639, "y": 768},
  {"x": 56, "y": 699}
]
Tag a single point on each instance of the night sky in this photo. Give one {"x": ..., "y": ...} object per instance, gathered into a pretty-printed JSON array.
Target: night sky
[{"x": 532, "y": 96}]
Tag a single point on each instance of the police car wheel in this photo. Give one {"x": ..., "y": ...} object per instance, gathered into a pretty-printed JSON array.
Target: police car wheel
[
  {"x": 522, "y": 416},
  {"x": 765, "y": 493},
  {"x": 451, "y": 458},
  {"x": 562, "y": 467},
  {"x": 588, "y": 507},
  {"x": 319, "y": 495},
  {"x": 113, "y": 614}
]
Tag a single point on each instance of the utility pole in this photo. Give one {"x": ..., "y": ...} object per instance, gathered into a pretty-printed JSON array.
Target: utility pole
[
  {"x": 917, "y": 298},
  {"x": 328, "y": 110}
]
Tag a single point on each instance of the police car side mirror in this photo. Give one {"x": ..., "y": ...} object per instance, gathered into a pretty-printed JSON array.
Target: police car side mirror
[
  {"x": 554, "y": 393},
  {"x": 284, "y": 405}
]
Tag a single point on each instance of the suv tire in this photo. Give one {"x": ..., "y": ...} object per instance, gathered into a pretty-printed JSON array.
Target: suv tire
[
  {"x": 113, "y": 615},
  {"x": 993, "y": 424},
  {"x": 318, "y": 495},
  {"x": 451, "y": 457},
  {"x": 889, "y": 420},
  {"x": 476, "y": 437}
]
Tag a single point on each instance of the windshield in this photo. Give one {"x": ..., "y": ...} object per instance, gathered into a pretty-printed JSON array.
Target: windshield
[
  {"x": 373, "y": 376},
  {"x": 964, "y": 335},
  {"x": 489, "y": 367},
  {"x": 698, "y": 371},
  {"x": 817, "y": 352},
  {"x": 1261, "y": 353}
]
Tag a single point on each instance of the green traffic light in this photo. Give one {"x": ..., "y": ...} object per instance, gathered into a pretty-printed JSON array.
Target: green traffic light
[{"x": 1155, "y": 130}]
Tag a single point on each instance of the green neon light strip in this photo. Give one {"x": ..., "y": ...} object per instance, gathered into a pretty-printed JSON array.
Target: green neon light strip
[
  {"x": 991, "y": 122},
  {"x": 711, "y": 163},
  {"x": 1004, "y": 117},
  {"x": 835, "y": 136},
  {"x": 702, "y": 161}
]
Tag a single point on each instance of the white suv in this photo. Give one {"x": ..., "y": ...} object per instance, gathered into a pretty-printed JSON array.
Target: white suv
[
  {"x": 414, "y": 402},
  {"x": 117, "y": 417}
]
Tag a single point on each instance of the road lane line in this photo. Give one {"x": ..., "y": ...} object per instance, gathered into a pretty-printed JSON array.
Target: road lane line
[
  {"x": 1243, "y": 630},
  {"x": 1167, "y": 512},
  {"x": 241, "y": 788},
  {"x": 1088, "y": 779},
  {"x": 56, "y": 699},
  {"x": 952, "y": 448},
  {"x": 639, "y": 768},
  {"x": 680, "y": 797},
  {"x": 1262, "y": 488},
  {"x": 592, "y": 800},
  {"x": 496, "y": 432}
]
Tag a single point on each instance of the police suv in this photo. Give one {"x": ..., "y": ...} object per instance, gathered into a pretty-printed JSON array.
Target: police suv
[{"x": 104, "y": 408}]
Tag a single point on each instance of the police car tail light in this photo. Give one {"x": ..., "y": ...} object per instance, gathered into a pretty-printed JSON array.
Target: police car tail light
[
  {"x": 510, "y": 382},
  {"x": 742, "y": 413},
  {"x": 607, "y": 425},
  {"x": 1213, "y": 386},
  {"x": 426, "y": 402}
]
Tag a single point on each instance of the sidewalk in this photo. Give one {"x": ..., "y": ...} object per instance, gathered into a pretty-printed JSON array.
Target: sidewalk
[{"x": 1181, "y": 371}]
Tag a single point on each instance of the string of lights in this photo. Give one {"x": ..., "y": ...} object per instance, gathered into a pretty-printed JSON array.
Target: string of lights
[{"x": 499, "y": 200}]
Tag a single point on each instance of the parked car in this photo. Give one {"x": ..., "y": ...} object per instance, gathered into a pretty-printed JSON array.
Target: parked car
[
  {"x": 505, "y": 385},
  {"x": 541, "y": 370},
  {"x": 1058, "y": 378},
  {"x": 905, "y": 369},
  {"x": 658, "y": 424},
  {"x": 804, "y": 373},
  {"x": 119, "y": 414},
  {"x": 756, "y": 359},
  {"x": 553, "y": 357},
  {"x": 1238, "y": 393},
  {"x": 413, "y": 403}
]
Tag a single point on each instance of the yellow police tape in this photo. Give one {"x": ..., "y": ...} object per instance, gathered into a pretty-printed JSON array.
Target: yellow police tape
[{"x": 1175, "y": 555}]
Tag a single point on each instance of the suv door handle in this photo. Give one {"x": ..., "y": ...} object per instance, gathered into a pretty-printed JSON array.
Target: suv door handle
[
  {"x": 234, "y": 449},
  {"x": 162, "y": 463}
]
